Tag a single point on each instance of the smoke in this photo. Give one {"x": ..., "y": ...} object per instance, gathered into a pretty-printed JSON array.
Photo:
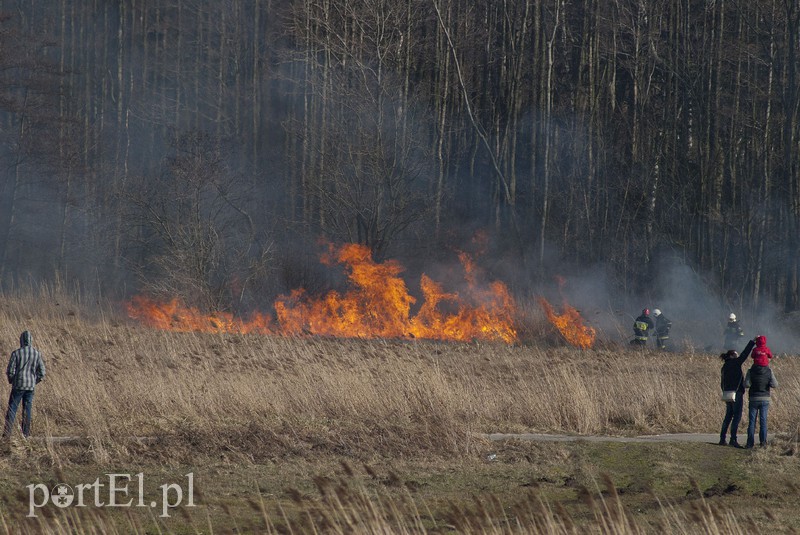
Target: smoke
[
  {"x": 684, "y": 295},
  {"x": 699, "y": 313},
  {"x": 696, "y": 313},
  {"x": 687, "y": 296},
  {"x": 781, "y": 330}
]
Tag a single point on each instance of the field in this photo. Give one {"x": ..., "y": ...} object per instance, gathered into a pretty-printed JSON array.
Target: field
[{"x": 294, "y": 435}]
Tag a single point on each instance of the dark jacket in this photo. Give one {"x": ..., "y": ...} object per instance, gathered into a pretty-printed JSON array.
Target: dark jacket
[
  {"x": 663, "y": 325},
  {"x": 760, "y": 380},
  {"x": 731, "y": 377},
  {"x": 642, "y": 327},
  {"x": 733, "y": 334}
]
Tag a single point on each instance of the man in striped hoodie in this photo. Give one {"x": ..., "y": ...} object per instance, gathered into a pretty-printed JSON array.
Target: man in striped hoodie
[{"x": 25, "y": 370}]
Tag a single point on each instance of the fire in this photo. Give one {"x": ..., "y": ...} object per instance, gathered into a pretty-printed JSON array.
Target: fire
[
  {"x": 376, "y": 305},
  {"x": 570, "y": 325},
  {"x": 172, "y": 316},
  {"x": 379, "y": 305}
]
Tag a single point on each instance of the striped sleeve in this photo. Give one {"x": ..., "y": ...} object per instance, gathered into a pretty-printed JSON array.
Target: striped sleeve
[
  {"x": 11, "y": 370},
  {"x": 40, "y": 369}
]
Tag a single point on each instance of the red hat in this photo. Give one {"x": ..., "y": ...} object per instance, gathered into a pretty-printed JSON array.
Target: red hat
[{"x": 646, "y": 311}]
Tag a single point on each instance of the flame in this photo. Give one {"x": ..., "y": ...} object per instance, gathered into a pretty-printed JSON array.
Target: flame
[
  {"x": 379, "y": 305},
  {"x": 376, "y": 305},
  {"x": 570, "y": 325},
  {"x": 172, "y": 316}
]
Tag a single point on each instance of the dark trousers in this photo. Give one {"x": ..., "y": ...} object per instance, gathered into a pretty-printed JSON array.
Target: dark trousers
[
  {"x": 758, "y": 411},
  {"x": 26, "y": 397},
  {"x": 733, "y": 415}
]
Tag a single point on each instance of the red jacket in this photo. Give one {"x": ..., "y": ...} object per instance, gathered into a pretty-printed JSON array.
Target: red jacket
[{"x": 761, "y": 354}]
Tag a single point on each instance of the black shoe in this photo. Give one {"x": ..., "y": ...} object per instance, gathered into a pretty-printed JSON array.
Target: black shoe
[
  {"x": 735, "y": 444},
  {"x": 721, "y": 442}
]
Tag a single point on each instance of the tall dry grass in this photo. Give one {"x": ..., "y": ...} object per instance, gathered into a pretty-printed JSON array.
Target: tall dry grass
[
  {"x": 264, "y": 397},
  {"x": 258, "y": 398}
]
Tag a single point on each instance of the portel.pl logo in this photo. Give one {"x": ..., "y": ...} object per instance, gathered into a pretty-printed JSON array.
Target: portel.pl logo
[{"x": 115, "y": 493}]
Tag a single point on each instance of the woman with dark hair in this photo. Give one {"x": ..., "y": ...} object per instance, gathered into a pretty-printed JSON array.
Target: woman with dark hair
[{"x": 732, "y": 380}]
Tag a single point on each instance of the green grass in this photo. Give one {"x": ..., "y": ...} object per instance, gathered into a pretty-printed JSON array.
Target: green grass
[{"x": 649, "y": 480}]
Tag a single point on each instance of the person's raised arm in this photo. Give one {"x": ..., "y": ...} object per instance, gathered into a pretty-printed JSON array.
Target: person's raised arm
[{"x": 746, "y": 352}]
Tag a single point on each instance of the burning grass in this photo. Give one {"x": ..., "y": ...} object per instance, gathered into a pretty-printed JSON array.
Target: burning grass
[
  {"x": 275, "y": 395},
  {"x": 570, "y": 325},
  {"x": 377, "y": 304}
]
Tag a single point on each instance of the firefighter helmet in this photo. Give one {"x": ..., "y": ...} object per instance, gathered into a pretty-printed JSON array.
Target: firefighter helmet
[
  {"x": 732, "y": 317},
  {"x": 656, "y": 312},
  {"x": 646, "y": 311}
]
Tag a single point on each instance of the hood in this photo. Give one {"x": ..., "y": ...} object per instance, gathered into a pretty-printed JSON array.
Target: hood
[
  {"x": 25, "y": 339},
  {"x": 761, "y": 341}
]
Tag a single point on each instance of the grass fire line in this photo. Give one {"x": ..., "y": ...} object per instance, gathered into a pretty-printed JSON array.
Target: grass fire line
[
  {"x": 377, "y": 304},
  {"x": 63, "y": 495}
]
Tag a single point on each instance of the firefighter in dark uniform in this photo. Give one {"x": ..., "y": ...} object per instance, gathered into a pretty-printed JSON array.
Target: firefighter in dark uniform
[
  {"x": 663, "y": 325},
  {"x": 642, "y": 327},
  {"x": 734, "y": 335}
]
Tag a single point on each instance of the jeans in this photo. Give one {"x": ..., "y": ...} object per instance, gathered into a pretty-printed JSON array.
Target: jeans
[
  {"x": 733, "y": 415},
  {"x": 26, "y": 396},
  {"x": 758, "y": 409}
]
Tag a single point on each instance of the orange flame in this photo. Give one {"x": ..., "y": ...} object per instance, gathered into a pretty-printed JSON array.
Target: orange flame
[
  {"x": 173, "y": 316},
  {"x": 570, "y": 325},
  {"x": 378, "y": 305}
]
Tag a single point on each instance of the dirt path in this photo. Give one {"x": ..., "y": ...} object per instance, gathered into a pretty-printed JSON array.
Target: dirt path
[
  {"x": 79, "y": 440},
  {"x": 494, "y": 437},
  {"x": 540, "y": 437}
]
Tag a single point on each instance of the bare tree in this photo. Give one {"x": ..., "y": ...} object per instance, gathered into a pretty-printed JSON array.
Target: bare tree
[
  {"x": 193, "y": 224},
  {"x": 368, "y": 167}
]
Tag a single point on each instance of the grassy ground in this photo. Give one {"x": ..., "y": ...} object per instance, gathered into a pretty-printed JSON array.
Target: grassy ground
[
  {"x": 294, "y": 434},
  {"x": 660, "y": 487}
]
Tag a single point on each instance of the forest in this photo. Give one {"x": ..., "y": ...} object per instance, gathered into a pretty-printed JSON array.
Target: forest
[{"x": 203, "y": 149}]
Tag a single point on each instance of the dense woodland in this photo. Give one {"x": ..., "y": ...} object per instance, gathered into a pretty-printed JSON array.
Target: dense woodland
[{"x": 200, "y": 148}]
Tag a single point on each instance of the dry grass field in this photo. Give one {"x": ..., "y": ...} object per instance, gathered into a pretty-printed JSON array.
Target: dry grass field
[{"x": 311, "y": 434}]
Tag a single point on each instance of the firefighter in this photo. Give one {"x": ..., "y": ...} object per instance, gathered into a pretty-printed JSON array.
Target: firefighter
[
  {"x": 662, "y": 325},
  {"x": 734, "y": 335},
  {"x": 642, "y": 327}
]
